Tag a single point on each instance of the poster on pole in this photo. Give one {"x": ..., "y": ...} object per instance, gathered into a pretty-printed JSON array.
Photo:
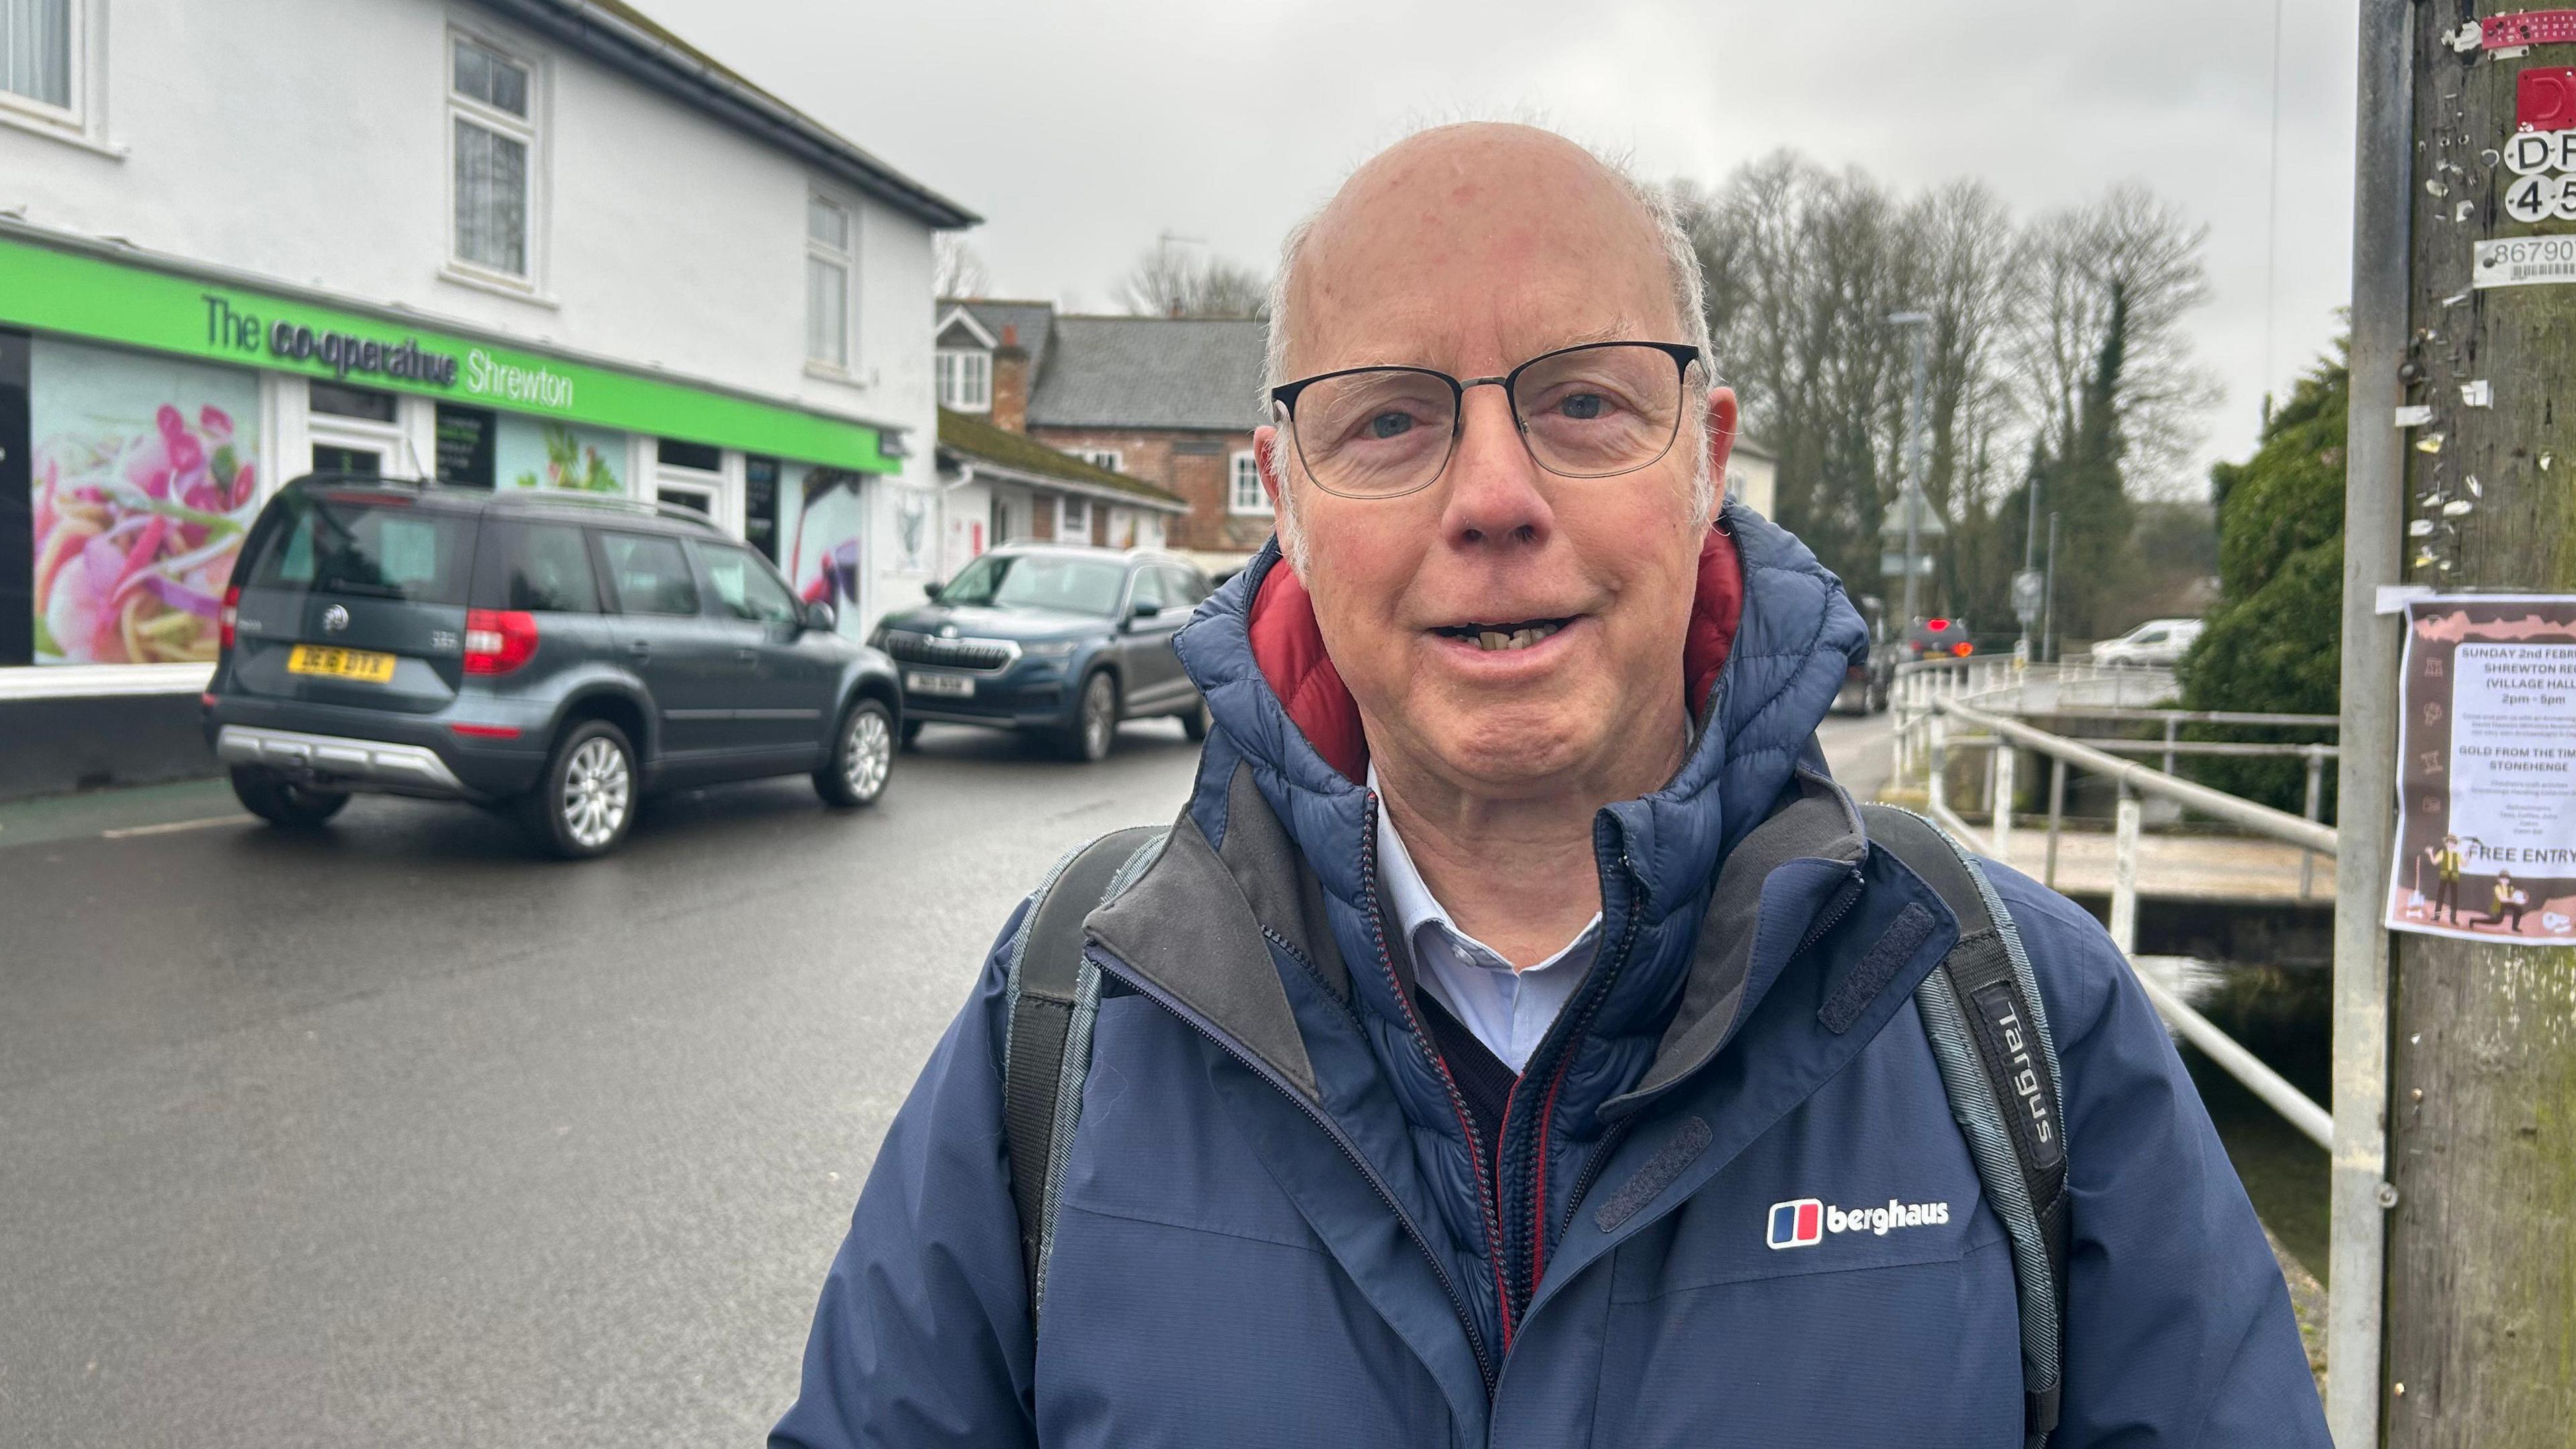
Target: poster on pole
[{"x": 2486, "y": 770}]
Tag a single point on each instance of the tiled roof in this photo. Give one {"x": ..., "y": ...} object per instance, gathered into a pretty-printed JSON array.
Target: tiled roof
[
  {"x": 1035, "y": 320},
  {"x": 1150, "y": 372},
  {"x": 975, "y": 438}
]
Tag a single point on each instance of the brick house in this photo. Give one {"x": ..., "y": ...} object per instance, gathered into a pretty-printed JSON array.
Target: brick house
[{"x": 1169, "y": 400}]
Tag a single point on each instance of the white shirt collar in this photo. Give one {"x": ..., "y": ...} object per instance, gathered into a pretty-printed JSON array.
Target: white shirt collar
[{"x": 1509, "y": 1011}]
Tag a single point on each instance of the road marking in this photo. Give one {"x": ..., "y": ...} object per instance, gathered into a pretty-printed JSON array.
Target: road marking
[{"x": 171, "y": 827}]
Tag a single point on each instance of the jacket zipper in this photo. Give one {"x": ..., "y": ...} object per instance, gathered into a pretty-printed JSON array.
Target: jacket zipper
[
  {"x": 1489, "y": 1210},
  {"x": 1610, "y": 967},
  {"x": 1844, "y": 899},
  {"x": 1315, "y": 1114},
  {"x": 1846, "y": 896},
  {"x": 1610, "y": 1141}
]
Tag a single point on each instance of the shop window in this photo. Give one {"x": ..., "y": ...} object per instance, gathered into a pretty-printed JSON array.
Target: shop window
[
  {"x": 1244, "y": 491},
  {"x": 342, "y": 458},
  {"x": 760, "y": 505},
  {"x": 492, "y": 128},
  {"x": 676, "y": 454},
  {"x": 966, "y": 381},
  {"x": 467, "y": 440},
  {"x": 36, "y": 50},
  {"x": 343, "y": 401},
  {"x": 115, "y": 439},
  {"x": 828, "y": 252}
]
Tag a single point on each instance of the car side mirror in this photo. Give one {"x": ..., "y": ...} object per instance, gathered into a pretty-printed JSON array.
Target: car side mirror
[
  {"x": 1143, "y": 609},
  {"x": 930, "y": 591},
  {"x": 819, "y": 616}
]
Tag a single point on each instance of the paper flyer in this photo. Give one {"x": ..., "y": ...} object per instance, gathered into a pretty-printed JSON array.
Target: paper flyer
[{"x": 2486, "y": 770}]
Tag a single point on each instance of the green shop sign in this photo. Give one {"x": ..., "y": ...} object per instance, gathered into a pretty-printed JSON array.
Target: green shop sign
[{"x": 85, "y": 296}]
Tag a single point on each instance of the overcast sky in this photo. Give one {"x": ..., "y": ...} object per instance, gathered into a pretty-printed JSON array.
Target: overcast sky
[{"x": 1082, "y": 131}]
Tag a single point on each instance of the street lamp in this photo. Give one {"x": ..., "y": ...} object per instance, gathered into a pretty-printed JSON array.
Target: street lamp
[{"x": 1920, "y": 324}]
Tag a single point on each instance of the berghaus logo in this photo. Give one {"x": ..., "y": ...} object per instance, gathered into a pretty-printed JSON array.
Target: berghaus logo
[{"x": 1803, "y": 1222}]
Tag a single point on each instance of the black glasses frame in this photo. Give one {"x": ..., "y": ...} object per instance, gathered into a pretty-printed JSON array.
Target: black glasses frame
[{"x": 1284, "y": 398}]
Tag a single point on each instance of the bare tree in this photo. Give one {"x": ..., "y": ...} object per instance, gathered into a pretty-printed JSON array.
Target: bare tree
[
  {"x": 956, "y": 271},
  {"x": 2135, "y": 246},
  {"x": 1804, "y": 266},
  {"x": 1168, "y": 281},
  {"x": 1803, "y": 270}
]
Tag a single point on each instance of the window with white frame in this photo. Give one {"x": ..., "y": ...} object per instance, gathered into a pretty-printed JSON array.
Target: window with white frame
[
  {"x": 828, "y": 250},
  {"x": 1245, "y": 493},
  {"x": 36, "y": 50},
  {"x": 492, "y": 138},
  {"x": 1108, "y": 458},
  {"x": 1073, "y": 519},
  {"x": 965, "y": 380}
]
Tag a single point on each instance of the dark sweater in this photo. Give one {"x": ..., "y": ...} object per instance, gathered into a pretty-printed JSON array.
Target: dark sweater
[{"x": 1484, "y": 1080}]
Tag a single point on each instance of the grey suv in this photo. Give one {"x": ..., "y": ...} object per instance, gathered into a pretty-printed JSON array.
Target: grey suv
[
  {"x": 552, "y": 655},
  {"x": 1056, "y": 639}
]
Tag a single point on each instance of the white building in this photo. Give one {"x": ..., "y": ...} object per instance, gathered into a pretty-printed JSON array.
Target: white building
[
  {"x": 1753, "y": 478},
  {"x": 502, "y": 242}
]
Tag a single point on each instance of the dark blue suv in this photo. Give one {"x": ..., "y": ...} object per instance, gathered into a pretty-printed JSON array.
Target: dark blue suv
[
  {"x": 1051, "y": 638},
  {"x": 554, "y": 655}
]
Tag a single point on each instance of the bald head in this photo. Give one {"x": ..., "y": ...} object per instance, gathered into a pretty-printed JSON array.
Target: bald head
[
  {"x": 1502, "y": 577},
  {"x": 1512, "y": 205}
]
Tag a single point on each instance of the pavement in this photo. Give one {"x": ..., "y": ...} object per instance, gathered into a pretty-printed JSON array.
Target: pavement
[{"x": 397, "y": 1134}]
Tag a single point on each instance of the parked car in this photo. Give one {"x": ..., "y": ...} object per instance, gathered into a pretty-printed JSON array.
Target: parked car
[
  {"x": 1866, "y": 685},
  {"x": 2155, "y": 644},
  {"x": 553, "y": 655},
  {"x": 1057, "y": 639}
]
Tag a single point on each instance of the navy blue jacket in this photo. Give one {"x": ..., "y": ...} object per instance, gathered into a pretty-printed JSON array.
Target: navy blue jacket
[{"x": 1274, "y": 1228}]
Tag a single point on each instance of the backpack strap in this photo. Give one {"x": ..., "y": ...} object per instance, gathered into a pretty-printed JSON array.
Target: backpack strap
[
  {"x": 1053, "y": 994},
  {"x": 1989, "y": 1031}
]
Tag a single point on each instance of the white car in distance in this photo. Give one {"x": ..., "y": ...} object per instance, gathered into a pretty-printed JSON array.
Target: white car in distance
[{"x": 2155, "y": 644}]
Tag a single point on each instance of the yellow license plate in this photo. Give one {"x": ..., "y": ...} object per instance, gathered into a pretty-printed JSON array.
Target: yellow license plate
[{"x": 357, "y": 664}]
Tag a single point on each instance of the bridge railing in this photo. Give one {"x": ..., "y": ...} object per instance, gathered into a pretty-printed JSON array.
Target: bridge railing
[{"x": 1945, "y": 708}]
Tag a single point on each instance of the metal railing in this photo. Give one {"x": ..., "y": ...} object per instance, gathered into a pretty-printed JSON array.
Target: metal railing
[{"x": 1933, "y": 704}]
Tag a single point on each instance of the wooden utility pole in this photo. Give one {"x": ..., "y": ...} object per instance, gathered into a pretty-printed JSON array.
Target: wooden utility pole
[{"x": 2481, "y": 1266}]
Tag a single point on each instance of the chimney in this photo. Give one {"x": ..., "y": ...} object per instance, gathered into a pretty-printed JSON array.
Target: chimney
[{"x": 1011, "y": 382}]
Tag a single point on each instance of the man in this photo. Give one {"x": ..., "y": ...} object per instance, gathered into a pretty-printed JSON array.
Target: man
[
  {"x": 1514, "y": 958},
  {"x": 2506, "y": 909},
  {"x": 2447, "y": 861}
]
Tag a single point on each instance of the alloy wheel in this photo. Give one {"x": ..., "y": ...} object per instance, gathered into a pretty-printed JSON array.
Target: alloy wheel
[
  {"x": 597, "y": 790},
  {"x": 1099, "y": 716},
  {"x": 867, "y": 755}
]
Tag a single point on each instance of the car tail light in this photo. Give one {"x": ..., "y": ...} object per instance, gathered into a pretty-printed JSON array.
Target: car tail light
[
  {"x": 498, "y": 640},
  {"x": 228, "y": 616},
  {"x": 1963, "y": 649}
]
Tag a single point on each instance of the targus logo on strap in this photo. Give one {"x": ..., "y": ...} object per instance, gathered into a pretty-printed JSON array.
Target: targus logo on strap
[
  {"x": 1804, "y": 1222},
  {"x": 2012, "y": 1047}
]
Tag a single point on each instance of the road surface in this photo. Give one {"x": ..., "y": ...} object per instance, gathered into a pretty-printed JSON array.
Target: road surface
[{"x": 397, "y": 1135}]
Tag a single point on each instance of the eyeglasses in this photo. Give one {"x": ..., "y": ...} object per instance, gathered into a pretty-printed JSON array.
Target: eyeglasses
[{"x": 1594, "y": 411}]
